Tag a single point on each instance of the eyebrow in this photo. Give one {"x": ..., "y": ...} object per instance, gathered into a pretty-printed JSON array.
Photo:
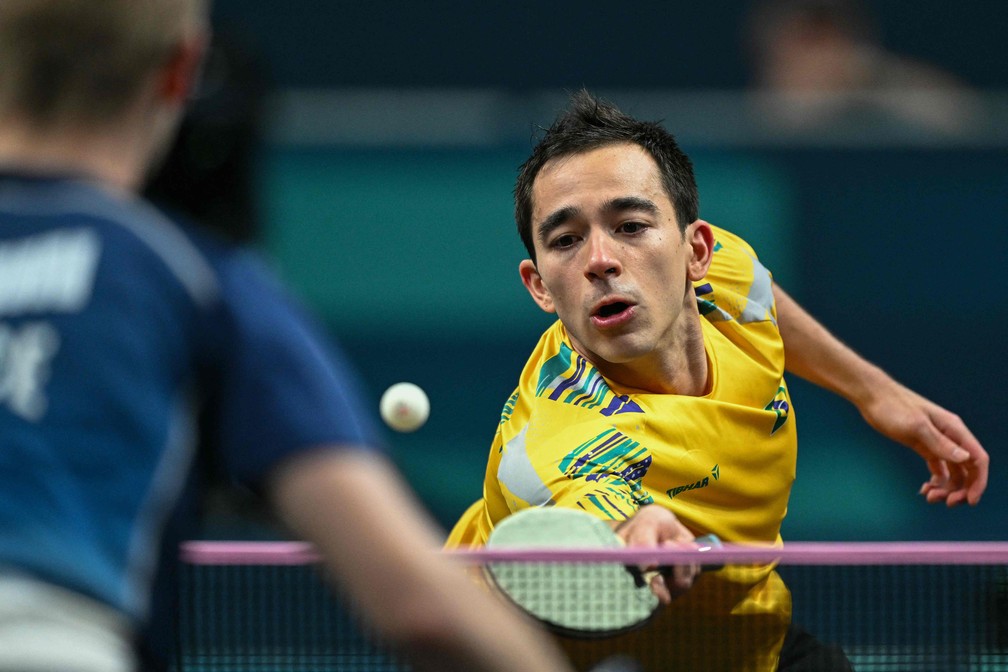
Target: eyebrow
[
  {"x": 614, "y": 205},
  {"x": 555, "y": 220},
  {"x": 625, "y": 203}
]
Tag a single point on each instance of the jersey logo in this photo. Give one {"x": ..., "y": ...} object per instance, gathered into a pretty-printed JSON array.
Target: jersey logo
[
  {"x": 700, "y": 483},
  {"x": 53, "y": 271},
  {"x": 781, "y": 407},
  {"x": 679, "y": 489},
  {"x": 25, "y": 354}
]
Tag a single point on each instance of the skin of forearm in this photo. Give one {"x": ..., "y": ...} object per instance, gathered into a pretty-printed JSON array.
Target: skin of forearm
[{"x": 427, "y": 608}]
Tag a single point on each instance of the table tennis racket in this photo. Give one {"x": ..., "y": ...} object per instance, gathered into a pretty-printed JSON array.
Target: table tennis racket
[{"x": 577, "y": 599}]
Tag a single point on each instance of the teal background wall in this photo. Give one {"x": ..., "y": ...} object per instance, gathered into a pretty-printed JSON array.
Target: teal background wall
[
  {"x": 410, "y": 258},
  {"x": 409, "y": 255}
]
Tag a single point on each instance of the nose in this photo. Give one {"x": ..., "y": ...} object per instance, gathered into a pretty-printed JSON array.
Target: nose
[{"x": 602, "y": 259}]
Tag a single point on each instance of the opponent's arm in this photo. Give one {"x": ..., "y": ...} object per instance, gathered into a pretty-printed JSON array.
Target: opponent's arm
[
  {"x": 956, "y": 460},
  {"x": 384, "y": 552}
]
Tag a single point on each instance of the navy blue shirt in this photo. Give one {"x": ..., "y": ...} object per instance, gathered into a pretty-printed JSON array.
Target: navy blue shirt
[{"x": 119, "y": 328}]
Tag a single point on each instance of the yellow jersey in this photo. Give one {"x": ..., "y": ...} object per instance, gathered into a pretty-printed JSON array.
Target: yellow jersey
[{"x": 723, "y": 462}]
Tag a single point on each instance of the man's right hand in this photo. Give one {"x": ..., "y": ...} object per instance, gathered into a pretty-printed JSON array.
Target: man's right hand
[{"x": 653, "y": 526}]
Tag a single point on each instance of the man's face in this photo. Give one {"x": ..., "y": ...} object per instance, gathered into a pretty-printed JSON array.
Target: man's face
[{"x": 611, "y": 260}]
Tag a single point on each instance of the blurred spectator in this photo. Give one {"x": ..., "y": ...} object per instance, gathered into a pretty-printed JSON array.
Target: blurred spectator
[{"x": 822, "y": 65}]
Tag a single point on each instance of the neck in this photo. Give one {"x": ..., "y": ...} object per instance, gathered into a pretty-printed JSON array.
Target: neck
[
  {"x": 686, "y": 370},
  {"x": 679, "y": 368},
  {"x": 116, "y": 157}
]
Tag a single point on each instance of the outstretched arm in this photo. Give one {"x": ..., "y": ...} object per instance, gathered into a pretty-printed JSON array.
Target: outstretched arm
[
  {"x": 385, "y": 553},
  {"x": 956, "y": 460}
]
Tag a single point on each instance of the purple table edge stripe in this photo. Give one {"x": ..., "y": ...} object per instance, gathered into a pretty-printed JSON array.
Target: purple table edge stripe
[{"x": 793, "y": 553}]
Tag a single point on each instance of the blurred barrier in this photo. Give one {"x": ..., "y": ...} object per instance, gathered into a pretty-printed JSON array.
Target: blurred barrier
[{"x": 458, "y": 117}]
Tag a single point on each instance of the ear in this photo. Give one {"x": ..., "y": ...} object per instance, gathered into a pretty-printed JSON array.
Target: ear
[
  {"x": 700, "y": 238},
  {"x": 181, "y": 72},
  {"x": 534, "y": 284}
]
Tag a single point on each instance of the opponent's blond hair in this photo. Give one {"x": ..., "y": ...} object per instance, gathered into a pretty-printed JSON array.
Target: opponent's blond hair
[{"x": 83, "y": 61}]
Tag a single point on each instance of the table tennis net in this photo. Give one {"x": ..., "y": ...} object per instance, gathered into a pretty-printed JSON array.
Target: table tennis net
[{"x": 889, "y": 607}]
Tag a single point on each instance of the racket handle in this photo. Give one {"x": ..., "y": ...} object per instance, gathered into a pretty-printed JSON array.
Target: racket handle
[{"x": 706, "y": 543}]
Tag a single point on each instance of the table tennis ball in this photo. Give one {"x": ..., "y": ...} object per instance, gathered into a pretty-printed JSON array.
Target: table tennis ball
[{"x": 404, "y": 407}]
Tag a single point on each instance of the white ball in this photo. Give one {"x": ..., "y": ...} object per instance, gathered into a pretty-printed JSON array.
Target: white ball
[{"x": 404, "y": 407}]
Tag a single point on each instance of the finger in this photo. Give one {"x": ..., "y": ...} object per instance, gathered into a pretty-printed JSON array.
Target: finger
[
  {"x": 976, "y": 463},
  {"x": 653, "y": 579},
  {"x": 933, "y": 493},
  {"x": 939, "y": 471},
  {"x": 957, "y": 483},
  {"x": 681, "y": 578},
  {"x": 648, "y": 533},
  {"x": 950, "y": 493},
  {"x": 931, "y": 487},
  {"x": 967, "y": 486},
  {"x": 976, "y": 477},
  {"x": 659, "y": 588},
  {"x": 955, "y": 498},
  {"x": 935, "y": 441},
  {"x": 954, "y": 428},
  {"x": 936, "y": 489},
  {"x": 937, "y": 495},
  {"x": 939, "y": 477},
  {"x": 955, "y": 495}
]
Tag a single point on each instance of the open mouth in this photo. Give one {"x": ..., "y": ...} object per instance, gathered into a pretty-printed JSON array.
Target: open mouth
[
  {"x": 611, "y": 309},
  {"x": 613, "y": 315}
]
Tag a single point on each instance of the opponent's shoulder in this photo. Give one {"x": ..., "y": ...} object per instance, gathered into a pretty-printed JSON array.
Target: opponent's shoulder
[{"x": 132, "y": 238}]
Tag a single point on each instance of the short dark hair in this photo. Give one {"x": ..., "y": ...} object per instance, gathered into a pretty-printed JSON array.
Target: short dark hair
[{"x": 590, "y": 123}]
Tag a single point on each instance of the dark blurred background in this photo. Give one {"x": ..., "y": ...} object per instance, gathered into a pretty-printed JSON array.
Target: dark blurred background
[
  {"x": 523, "y": 44},
  {"x": 370, "y": 149}
]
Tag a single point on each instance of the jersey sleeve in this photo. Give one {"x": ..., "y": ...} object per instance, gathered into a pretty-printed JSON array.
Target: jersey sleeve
[
  {"x": 737, "y": 287},
  {"x": 282, "y": 387}
]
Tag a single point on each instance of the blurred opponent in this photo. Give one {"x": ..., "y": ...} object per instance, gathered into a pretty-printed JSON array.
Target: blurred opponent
[{"x": 124, "y": 335}]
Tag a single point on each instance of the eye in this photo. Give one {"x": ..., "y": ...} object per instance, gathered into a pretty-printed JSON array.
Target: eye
[
  {"x": 632, "y": 227},
  {"x": 563, "y": 242}
]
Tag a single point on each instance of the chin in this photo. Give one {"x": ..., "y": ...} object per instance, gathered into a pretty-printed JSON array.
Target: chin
[{"x": 610, "y": 352}]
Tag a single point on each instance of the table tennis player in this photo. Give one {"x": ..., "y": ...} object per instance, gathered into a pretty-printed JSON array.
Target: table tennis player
[
  {"x": 657, "y": 401},
  {"x": 124, "y": 334}
]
